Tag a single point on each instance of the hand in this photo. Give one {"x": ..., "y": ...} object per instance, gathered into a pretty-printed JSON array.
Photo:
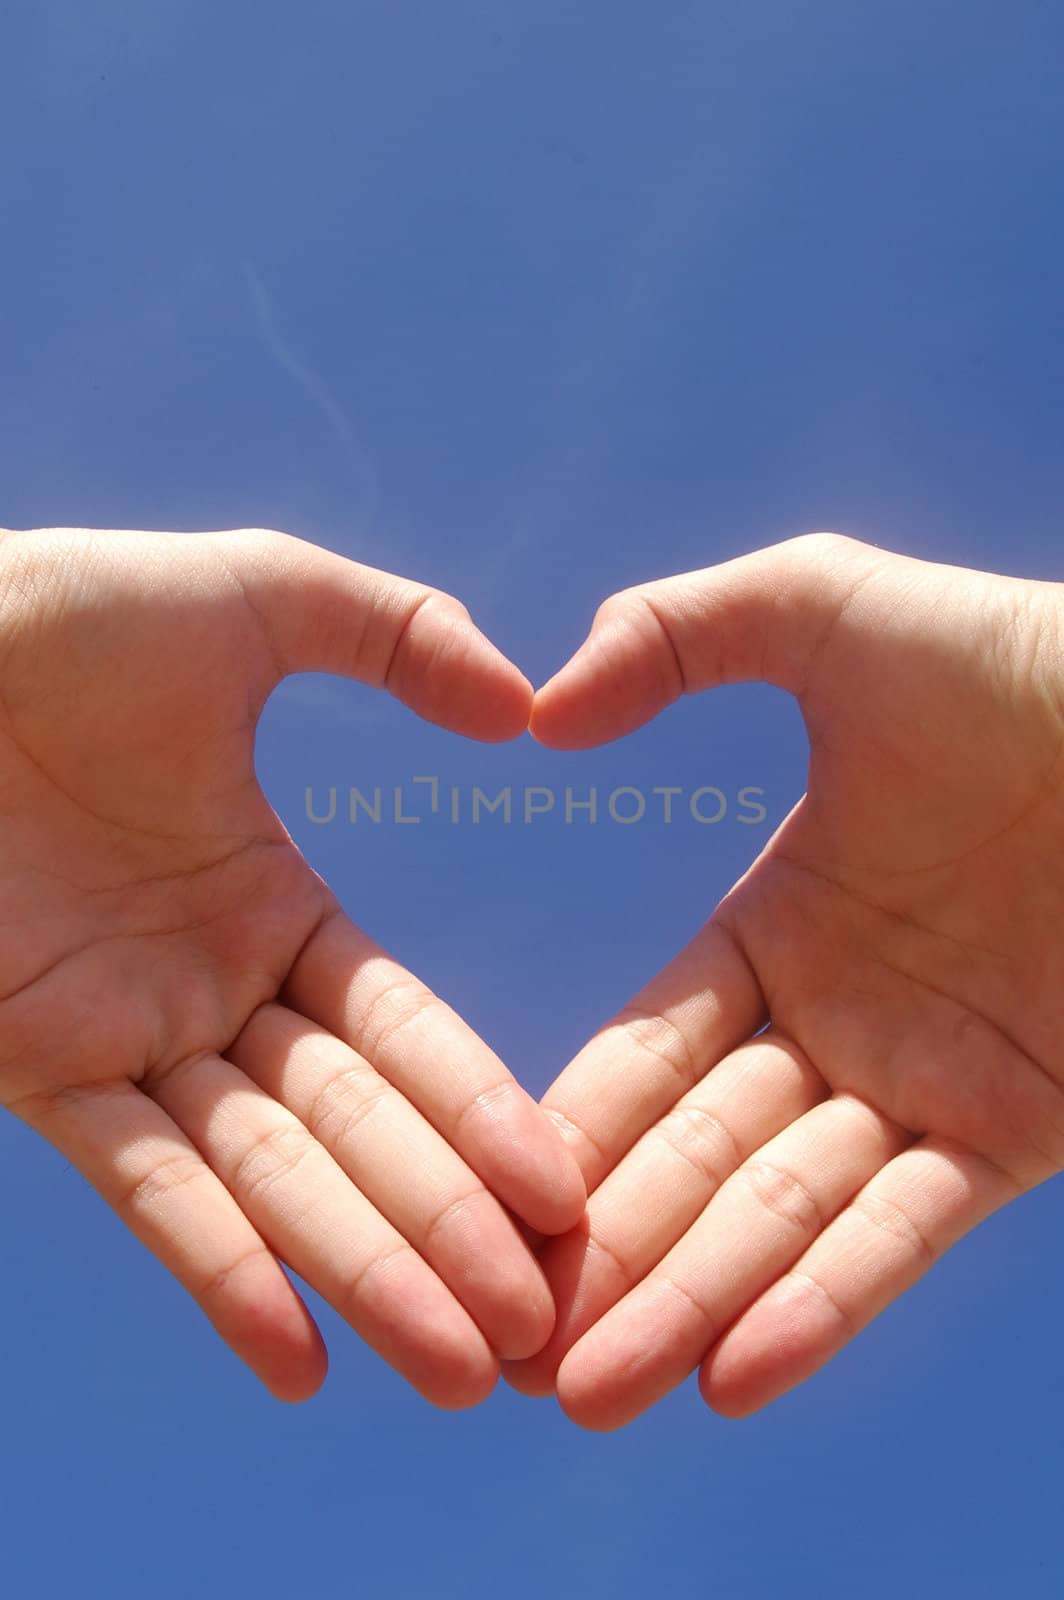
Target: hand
[
  {"x": 187, "y": 1014},
  {"x": 758, "y": 1199}
]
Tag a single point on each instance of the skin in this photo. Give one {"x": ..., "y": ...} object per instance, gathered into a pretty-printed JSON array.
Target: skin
[
  {"x": 756, "y": 1197},
  {"x": 186, "y": 1012}
]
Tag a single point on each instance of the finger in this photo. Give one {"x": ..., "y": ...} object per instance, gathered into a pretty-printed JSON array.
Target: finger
[
  {"x": 893, "y": 1230},
  {"x": 351, "y": 987},
  {"x": 759, "y": 618},
  {"x": 703, "y": 1004},
  {"x": 323, "y": 613},
  {"x": 660, "y": 1188},
  {"x": 305, "y": 1207},
  {"x": 755, "y": 1227},
  {"x": 404, "y": 1168},
  {"x": 156, "y": 1181}
]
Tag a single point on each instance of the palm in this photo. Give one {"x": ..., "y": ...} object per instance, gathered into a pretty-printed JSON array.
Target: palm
[
  {"x": 187, "y": 1013},
  {"x": 757, "y": 1196},
  {"x": 143, "y": 859},
  {"x": 896, "y": 922}
]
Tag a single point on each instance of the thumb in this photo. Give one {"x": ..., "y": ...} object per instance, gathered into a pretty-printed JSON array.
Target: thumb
[
  {"x": 323, "y": 613},
  {"x": 762, "y": 618}
]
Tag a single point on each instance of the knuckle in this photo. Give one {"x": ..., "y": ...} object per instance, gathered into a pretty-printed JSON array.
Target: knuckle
[
  {"x": 614, "y": 607},
  {"x": 261, "y": 545},
  {"x": 815, "y": 1288},
  {"x": 640, "y": 617},
  {"x": 393, "y": 618},
  {"x": 659, "y": 1036},
  {"x": 577, "y": 1136},
  {"x": 888, "y": 1217},
  {"x": 614, "y": 1256},
  {"x": 456, "y": 1218},
  {"x": 631, "y": 608},
  {"x": 484, "y": 1104},
  {"x": 691, "y": 1302},
  {"x": 219, "y": 1281},
  {"x": 161, "y": 1180},
  {"x": 389, "y": 1013},
  {"x": 344, "y": 1102},
  {"x": 443, "y": 599},
  {"x": 824, "y": 549},
  {"x": 783, "y": 1195},
  {"x": 370, "y": 1285},
  {"x": 273, "y": 1156},
  {"x": 272, "y": 536},
  {"x": 821, "y": 541},
  {"x": 701, "y": 1140}
]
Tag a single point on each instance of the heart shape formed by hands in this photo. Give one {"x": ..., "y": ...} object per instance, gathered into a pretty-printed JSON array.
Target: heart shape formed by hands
[{"x": 855, "y": 1061}]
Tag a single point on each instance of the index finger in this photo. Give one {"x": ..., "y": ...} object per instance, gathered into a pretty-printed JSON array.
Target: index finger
[{"x": 346, "y": 983}]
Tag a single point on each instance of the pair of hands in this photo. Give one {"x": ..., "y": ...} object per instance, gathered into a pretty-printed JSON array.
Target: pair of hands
[{"x": 856, "y": 1060}]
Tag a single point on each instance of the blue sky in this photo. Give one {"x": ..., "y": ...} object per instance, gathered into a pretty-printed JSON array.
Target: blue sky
[{"x": 530, "y": 301}]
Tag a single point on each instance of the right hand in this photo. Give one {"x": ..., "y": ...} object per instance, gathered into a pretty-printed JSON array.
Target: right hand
[{"x": 185, "y": 1011}]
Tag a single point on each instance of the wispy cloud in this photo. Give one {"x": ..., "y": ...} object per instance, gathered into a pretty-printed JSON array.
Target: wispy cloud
[{"x": 318, "y": 392}]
